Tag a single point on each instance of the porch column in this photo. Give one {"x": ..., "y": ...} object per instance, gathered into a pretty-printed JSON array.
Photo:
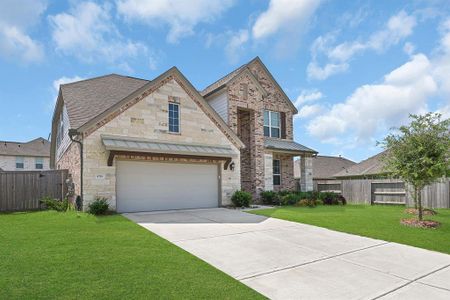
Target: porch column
[
  {"x": 268, "y": 171},
  {"x": 306, "y": 173}
]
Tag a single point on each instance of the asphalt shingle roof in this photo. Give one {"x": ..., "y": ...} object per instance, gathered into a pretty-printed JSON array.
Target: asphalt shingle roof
[
  {"x": 38, "y": 147},
  {"x": 325, "y": 167},
  {"x": 278, "y": 144},
  {"x": 87, "y": 99},
  {"x": 371, "y": 166}
]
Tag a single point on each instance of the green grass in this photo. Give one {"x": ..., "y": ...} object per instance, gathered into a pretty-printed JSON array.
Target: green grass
[
  {"x": 49, "y": 255},
  {"x": 380, "y": 222}
]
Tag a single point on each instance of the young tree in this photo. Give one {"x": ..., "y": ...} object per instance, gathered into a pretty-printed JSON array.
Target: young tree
[{"x": 419, "y": 153}]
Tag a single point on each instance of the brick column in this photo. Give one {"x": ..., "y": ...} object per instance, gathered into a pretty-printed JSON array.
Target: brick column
[{"x": 306, "y": 171}]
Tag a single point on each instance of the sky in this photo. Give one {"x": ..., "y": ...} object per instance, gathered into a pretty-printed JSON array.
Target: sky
[{"x": 354, "y": 69}]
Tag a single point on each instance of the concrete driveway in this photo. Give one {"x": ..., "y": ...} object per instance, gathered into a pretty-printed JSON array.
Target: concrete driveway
[{"x": 287, "y": 260}]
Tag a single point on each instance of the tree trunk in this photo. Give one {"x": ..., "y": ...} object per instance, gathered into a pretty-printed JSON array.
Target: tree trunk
[
  {"x": 415, "y": 198},
  {"x": 419, "y": 202}
]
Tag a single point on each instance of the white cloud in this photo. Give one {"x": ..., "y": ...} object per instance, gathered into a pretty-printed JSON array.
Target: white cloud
[
  {"x": 308, "y": 111},
  {"x": 235, "y": 45},
  {"x": 16, "y": 19},
  {"x": 283, "y": 15},
  {"x": 181, "y": 16},
  {"x": 87, "y": 32},
  {"x": 373, "y": 108},
  {"x": 307, "y": 96},
  {"x": 397, "y": 28}
]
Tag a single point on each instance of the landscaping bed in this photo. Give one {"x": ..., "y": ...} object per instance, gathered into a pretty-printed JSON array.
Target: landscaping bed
[{"x": 69, "y": 255}]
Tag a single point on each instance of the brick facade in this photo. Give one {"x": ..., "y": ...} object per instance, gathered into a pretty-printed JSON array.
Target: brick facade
[
  {"x": 287, "y": 172},
  {"x": 246, "y": 105},
  {"x": 70, "y": 160}
]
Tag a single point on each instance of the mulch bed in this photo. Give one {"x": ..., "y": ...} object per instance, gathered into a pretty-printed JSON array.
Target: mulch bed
[
  {"x": 420, "y": 224},
  {"x": 426, "y": 211}
]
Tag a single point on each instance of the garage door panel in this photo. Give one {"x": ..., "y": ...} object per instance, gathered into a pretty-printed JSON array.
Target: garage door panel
[{"x": 146, "y": 186}]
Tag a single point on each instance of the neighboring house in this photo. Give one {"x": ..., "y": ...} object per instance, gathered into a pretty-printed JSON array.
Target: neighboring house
[
  {"x": 324, "y": 168},
  {"x": 367, "y": 182},
  {"x": 369, "y": 168},
  {"x": 160, "y": 144},
  {"x": 30, "y": 156}
]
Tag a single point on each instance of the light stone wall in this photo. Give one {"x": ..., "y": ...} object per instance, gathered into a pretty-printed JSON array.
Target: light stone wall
[
  {"x": 8, "y": 163},
  {"x": 306, "y": 173},
  {"x": 148, "y": 119},
  {"x": 268, "y": 171}
]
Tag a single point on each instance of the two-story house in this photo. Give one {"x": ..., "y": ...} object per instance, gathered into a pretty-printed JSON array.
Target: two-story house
[
  {"x": 161, "y": 144},
  {"x": 29, "y": 156}
]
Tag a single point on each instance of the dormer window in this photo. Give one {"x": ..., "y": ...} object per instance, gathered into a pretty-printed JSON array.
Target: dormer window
[{"x": 272, "y": 126}]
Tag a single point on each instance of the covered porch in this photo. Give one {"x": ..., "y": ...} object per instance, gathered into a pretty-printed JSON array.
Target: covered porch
[{"x": 279, "y": 165}]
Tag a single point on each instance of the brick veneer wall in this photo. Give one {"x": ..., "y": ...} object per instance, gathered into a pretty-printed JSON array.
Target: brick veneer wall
[
  {"x": 70, "y": 160},
  {"x": 244, "y": 94},
  {"x": 287, "y": 172}
]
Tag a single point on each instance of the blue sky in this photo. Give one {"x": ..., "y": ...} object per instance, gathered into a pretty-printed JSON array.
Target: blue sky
[{"x": 354, "y": 69}]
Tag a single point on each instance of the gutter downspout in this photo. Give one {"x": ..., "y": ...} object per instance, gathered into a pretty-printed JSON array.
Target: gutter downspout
[{"x": 72, "y": 134}]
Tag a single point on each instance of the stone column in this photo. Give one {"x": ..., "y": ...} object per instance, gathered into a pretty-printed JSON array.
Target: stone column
[
  {"x": 306, "y": 173},
  {"x": 268, "y": 171}
]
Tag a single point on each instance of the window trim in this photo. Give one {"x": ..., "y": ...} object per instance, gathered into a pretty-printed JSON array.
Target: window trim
[
  {"x": 276, "y": 174},
  {"x": 39, "y": 161},
  {"x": 20, "y": 160},
  {"x": 270, "y": 126},
  {"x": 178, "y": 117}
]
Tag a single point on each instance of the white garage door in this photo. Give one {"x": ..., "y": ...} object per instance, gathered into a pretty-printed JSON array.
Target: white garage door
[{"x": 146, "y": 186}]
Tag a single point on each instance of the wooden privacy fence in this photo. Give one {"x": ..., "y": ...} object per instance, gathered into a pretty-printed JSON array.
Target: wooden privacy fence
[
  {"x": 22, "y": 190},
  {"x": 386, "y": 191}
]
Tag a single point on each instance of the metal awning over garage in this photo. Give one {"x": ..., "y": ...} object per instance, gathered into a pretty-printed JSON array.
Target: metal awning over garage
[{"x": 126, "y": 145}]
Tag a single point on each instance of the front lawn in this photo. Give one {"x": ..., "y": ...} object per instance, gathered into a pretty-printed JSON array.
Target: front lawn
[
  {"x": 50, "y": 255},
  {"x": 380, "y": 222}
]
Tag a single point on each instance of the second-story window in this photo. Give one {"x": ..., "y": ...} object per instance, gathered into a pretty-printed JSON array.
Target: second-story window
[
  {"x": 19, "y": 162},
  {"x": 39, "y": 163},
  {"x": 174, "y": 117},
  {"x": 271, "y": 124}
]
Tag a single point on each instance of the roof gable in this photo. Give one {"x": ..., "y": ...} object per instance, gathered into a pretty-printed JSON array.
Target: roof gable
[
  {"x": 258, "y": 62},
  {"x": 86, "y": 99},
  {"x": 148, "y": 88},
  {"x": 38, "y": 147},
  {"x": 325, "y": 166},
  {"x": 227, "y": 79},
  {"x": 371, "y": 166}
]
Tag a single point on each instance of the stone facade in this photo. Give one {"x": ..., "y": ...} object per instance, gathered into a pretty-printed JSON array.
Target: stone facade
[
  {"x": 306, "y": 173},
  {"x": 246, "y": 104},
  {"x": 147, "y": 119},
  {"x": 8, "y": 163},
  {"x": 268, "y": 171}
]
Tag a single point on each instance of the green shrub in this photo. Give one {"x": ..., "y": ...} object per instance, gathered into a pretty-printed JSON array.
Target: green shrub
[
  {"x": 330, "y": 198},
  {"x": 270, "y": 198},
  {"x": 99, "y": 206},
  {"x": 302, "y": 203},
  {"x": 306, "y": 202},
  {"x": 290, "y": 199},
  {"x": 241, "y": 199},
  {"x": 55, "y": 204},
  {"x": 319, "y": 202},
  {"x": 284, "y": 193}
]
